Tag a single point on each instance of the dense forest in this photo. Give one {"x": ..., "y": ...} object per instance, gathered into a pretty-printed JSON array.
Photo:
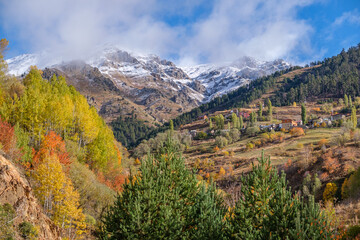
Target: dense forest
[
  {"x": 129, "y": 131},
  {"x": 332, "y": 77}
]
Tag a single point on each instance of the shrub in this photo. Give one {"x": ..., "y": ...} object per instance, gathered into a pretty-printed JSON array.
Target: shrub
[
  {"x": 7, "y": 215},
  {"x": 252, "y": 131},
  {"x": 350, "y": 187},
  {"x": 353, "y": 232},
  {"x": 235, "y": 134},
  {"x": 323, "y": 142},
  {"x": 329, "y": 192},
  {"x": 341, "y": 139},
  {"x": 249, "y": 146},
  {"x": 222, "y": 172},
  {"x": 300, "y": 145},
  {"x": 225, "y": 153},
  {"x": 28, "y": 231},
  {"x": 297, "y": 131},
  {"x": 221, "y": 141},
  {"x": 201, "y": 135},
  {"x": 137, "y": 161}
]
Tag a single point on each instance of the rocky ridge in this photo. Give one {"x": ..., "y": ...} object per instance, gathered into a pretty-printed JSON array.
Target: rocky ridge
[
  {"x": 118, "y": 83},
  {"x": 16, "y": 191}
]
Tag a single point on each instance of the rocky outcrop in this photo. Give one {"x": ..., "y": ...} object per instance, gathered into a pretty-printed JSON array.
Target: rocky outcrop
[{"x": 16, "y": 190}]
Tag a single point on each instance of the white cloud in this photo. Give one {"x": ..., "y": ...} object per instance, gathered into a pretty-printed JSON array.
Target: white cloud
[
  {"x": 71, "y": 29},
  {"x": 352, "y": 17},
  {"x": 263, "y": 29}
]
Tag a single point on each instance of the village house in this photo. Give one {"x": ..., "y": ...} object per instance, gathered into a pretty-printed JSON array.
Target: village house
[
  {"x": 288, "y": 123},
  {"x": 202, "y": 117},
  {"x": 193, "y": 133},
  {"x": 244, "y": 114},
  {"x": 336, "y": 117}
]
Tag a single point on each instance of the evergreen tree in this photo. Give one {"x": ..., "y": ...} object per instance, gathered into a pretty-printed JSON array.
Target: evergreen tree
[
  {"x": 268, "y": 210},
  {"x": 303, "y": 113},
  {"x": 165, "y": 201},
  {"x": 353, "y": 117},
  {"x": 210, "y": 124},
  {"x": 350, "y": 102}
]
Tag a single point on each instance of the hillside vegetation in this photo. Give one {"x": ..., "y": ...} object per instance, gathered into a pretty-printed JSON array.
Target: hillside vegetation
[
  {"x": 332, "y": 77},
  {"x": 67, "y": 151}
]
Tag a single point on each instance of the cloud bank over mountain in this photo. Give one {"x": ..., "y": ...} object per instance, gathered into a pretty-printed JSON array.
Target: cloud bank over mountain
[{"x": 189, "y": 32}]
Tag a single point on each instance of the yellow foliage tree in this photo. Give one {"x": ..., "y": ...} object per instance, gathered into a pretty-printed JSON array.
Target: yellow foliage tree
[
  {"x": 221, "y": 172},
  {"x": 58, "y": 197},
  {"x": 329, "y": 192}
]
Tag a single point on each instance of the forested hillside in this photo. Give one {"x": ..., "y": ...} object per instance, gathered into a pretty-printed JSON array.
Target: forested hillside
[
  {"x": 332, "y": 77},
  {"x": 65, "y": 148}
]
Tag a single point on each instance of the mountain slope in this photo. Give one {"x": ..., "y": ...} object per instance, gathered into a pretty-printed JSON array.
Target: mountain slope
[
  {"x": 221, "y": 79},
  {"x": 332, "y": 78},
  {"x": 16, "y": 191},
  {"x": 122, "y": 83}
]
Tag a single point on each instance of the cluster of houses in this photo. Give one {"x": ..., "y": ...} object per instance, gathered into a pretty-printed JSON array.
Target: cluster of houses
[{"x": 286, "y": 124}]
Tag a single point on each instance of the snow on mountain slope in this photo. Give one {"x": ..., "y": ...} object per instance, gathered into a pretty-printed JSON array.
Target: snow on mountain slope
[
  {"x": 223, "y": 78},
  {"x": 20, "y": 64},
  {"x": 142, "y": 76}
]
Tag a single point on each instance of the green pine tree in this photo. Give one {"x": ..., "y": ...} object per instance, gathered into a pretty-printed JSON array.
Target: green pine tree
[
  {"x": 268, "y": 209},
  {"x": 165, "y": 201}
]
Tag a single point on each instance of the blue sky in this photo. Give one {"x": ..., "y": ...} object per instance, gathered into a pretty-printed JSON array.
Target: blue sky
[{"x": 187, "y": 32}]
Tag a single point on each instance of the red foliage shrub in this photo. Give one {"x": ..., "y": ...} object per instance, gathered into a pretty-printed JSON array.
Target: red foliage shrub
[{"x": 7, "y": 137}]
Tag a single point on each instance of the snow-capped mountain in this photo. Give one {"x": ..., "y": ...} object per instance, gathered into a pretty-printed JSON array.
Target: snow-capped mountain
[
  {"x": 149, "y": 84},
  {"x": 223, "y": 78}
]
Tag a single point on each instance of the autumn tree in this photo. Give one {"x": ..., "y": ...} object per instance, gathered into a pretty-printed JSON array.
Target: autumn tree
[
  {"x": 297, "y": 131},
  {"x": 269, "y": 106},
  {"x": 353, "y": 117},
  {"x": 241, "y": 122},
  {"x": 54, "y": 189},
  {"x": 252, "y": 118}
]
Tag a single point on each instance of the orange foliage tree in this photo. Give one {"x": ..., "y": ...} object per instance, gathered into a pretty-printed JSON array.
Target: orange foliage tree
[
  {"x": 297, "y": 131},
  {"x": 52, "y": 145}
]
